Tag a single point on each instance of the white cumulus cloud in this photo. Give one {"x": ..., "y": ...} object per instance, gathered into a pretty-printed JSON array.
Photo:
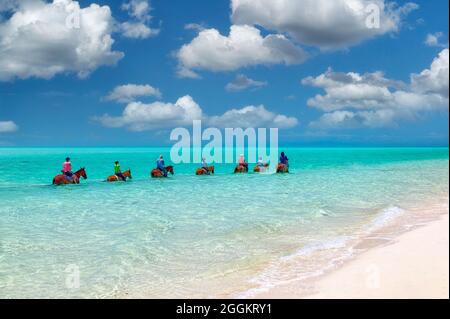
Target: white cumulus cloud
[
  {"x": 353, "y": 99},
  {"x": 323, "y": 23},
  {"x": 242, "y": 82},
  {"x": 351, "y": 119},
  {"x": 243, "y": 47},
  {"x": 129, "y": 92},
  {"x": 43, "y": 39},
  {"x": 138, "y": 116},
  {"x": 8, "y": 127},
  {"x": 137, "y": 30},
  {"x": 434, "y": 79},
  {"x": 434, "y": 40},
  {"x": 252, "y": 116},
  {"x": 194, "y": 26},
  {"x": 139, "y": 11}
]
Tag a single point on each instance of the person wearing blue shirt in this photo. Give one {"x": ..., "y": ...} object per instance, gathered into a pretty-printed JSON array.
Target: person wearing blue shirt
[
  {"x": 284, "y": 159},
  {"x": 161, "y": 166}
]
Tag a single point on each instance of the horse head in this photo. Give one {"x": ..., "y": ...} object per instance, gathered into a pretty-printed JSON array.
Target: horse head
[
  {"x": 211, "y": 169},
  {"x": 127, "y": 174},
  {"x": 170, "y": 169},
  {"x": 81, "y": 173}
]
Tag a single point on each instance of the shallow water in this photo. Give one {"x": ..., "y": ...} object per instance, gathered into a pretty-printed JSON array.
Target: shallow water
[{"x": 190, "y": 236}]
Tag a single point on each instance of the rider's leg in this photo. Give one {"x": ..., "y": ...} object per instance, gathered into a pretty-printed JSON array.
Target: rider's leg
[{"x": 69, "y": 175}]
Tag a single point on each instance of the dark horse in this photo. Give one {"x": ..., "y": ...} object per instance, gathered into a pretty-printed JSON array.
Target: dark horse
[
  {"x": 156, "y": 173},
  {"x": 282, "y": 168},
  {"x": 62, "y": 179},
  {"x": 115, "y": 178},
  {"x": 259, "y": 169},
  {"x": 241, "y": 169},
  {"x": 201, "y": 171}
]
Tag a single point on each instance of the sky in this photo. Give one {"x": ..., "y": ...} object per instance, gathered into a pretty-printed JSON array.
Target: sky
[{"x": 125, "y": 73}]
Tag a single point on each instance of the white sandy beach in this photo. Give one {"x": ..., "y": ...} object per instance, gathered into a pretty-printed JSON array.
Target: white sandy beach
[{"x": 415, "y": 265}]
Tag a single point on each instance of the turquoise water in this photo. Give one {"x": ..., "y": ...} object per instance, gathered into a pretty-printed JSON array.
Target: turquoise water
[{"x": 190, "y": 236}]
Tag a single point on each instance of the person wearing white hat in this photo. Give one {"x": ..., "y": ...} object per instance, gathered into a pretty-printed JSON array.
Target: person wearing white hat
[
  {"x": 261, "y": 163},
  {"x": 205, "y": 166}
]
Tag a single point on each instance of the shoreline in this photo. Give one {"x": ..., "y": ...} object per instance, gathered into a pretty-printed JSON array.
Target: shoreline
[{"x": 414, "y": 264}]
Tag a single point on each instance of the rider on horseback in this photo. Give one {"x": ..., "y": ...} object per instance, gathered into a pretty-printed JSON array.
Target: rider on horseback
[
  {"x": 242, "y": 162},
  {"x": 261, "y": 163},
  {"x": 161, "y": 166},
  {"x": 118, "y": 171},
  {"x": 260, "y": 166},
  {"x": 67, "y": 169},
  {"x": 284, "y": 159},
  {"x": 205, "y": 166}
]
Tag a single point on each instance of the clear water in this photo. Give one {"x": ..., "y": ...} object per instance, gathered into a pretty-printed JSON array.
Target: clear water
[{"x": 190, "y": 236}]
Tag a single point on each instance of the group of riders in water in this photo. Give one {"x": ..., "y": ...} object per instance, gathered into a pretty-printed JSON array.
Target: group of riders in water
[{"x": 161, "y": 170}]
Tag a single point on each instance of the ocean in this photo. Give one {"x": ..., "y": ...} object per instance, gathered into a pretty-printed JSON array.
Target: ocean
[{"x": 193, "y": 236}]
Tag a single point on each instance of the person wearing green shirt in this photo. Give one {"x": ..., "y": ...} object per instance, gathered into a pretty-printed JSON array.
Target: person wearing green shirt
[{"x": 118, "y": 171}]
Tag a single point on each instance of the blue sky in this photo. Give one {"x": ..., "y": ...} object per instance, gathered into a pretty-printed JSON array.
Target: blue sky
[{"x": 407, "y": 104}]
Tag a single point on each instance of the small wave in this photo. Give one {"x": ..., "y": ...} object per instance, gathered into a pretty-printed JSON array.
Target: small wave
[
  {"x": 276, "y": 274},
  {"x": 336, "y": 243},
  {"x": 386, "y": 217},
  {"x": 322, "y": 213}
]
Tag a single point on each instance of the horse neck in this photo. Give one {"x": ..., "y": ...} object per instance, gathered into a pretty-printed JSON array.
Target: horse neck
[{"x": 78, "y": 173}]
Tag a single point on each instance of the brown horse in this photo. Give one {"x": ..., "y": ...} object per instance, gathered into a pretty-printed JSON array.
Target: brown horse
[
  {"x": 201, "y": 171},
  {"x": 258, "y": 169},
  {"x": 241, "y": 169},
  {"x": 156, "y": 173},
  {"x": 62, "y": 179},
  {"x": 282, "y": 168},
  {"x": 115, "y": 178}
]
